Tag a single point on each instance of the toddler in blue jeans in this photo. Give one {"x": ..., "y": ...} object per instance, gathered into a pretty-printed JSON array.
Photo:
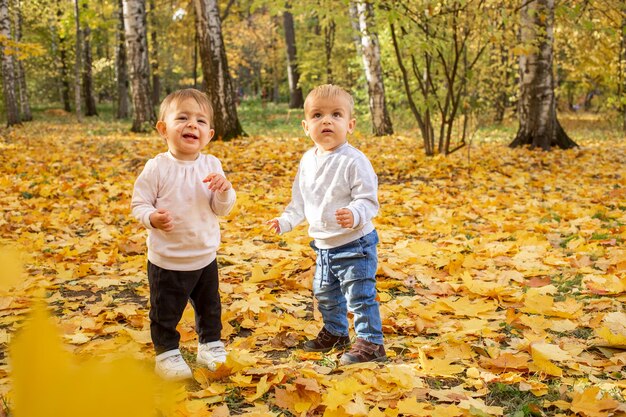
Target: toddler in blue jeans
[{"x": 335, "y": 190}]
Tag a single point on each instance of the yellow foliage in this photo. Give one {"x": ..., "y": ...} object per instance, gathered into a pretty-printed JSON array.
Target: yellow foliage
[
  {"x": 65, "y": 387},
  {"x": 507, "y": 271}
]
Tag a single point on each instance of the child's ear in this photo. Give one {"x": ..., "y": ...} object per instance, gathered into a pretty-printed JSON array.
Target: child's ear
[
  {"x": 161, "y": 128},
  {"x": 351, "y": 125},
  {"x": 305, "y": 127},
  {"x": 211, "y": 133}
]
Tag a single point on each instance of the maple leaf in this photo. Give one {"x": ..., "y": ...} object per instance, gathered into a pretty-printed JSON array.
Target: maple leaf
[
  {"x": 411, "y": 407},
  {"x": 507, "y": 360},
  {"x": 48, "y": 382},
  {"x": 439, "y": 367},
  {"x": 591, "y": 403},
  {"x": 543, "y": 353}
]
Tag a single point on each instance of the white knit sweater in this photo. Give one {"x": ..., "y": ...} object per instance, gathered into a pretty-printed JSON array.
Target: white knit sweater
[
  {"x": 343, "y": 179},
  {"x": 175, "y": 185}
]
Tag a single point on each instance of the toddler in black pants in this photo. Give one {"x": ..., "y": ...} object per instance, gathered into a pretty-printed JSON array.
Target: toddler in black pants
[{"x": 177, "y": 197}]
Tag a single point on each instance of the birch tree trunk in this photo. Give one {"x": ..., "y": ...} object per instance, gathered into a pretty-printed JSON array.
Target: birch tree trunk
[
  {"x": 121, "y": 68},
  {"x": 622, "y": 68},
  {"x": 25, "y": 111},
  {"x": 90, "y": 101},
  {"x": 370, "y": 51},
  {"x": 219, "y": 86},
  {"x": 139, "y": 68},
  {"x": 154, "y": 57},
  {"x": 77, "y": 65},
  {"x": 539, "y": 126},
  {"x": 62, "y": 65},
  {"x": 8, "y": 68},
  {"x": 296, "y": 100}
]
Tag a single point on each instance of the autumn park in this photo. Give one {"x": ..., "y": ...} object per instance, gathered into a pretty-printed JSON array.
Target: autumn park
[{"x": 497, "y": 134}]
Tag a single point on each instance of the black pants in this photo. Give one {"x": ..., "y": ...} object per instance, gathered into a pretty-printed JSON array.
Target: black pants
[{"x": 169, "y": 293}]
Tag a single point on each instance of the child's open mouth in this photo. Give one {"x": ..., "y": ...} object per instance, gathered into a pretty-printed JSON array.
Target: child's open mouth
[
  {"x": 190, "y": 136},
  {"x": 327, "y": 131}
]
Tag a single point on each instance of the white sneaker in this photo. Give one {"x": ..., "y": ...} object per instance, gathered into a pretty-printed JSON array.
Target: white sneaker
[
  {"x": 211, "y": 354},
  {"x": 170, "y": 365}
]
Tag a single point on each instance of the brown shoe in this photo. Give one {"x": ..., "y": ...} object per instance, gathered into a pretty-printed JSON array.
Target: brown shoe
[
  {"x": 325, "y": 341},
  {"x": 364, "y": 351}
]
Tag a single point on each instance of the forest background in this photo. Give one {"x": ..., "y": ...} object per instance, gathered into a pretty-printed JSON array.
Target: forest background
[{"x": 502, "y": 273}]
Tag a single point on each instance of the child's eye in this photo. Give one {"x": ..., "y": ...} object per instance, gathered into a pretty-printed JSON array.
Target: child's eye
[
  {"x": 336, "y": 114},
  {"x": 317, "y": 115},
  {"x": 202, "y": 121},
  {"x": 181, "y": 118}
]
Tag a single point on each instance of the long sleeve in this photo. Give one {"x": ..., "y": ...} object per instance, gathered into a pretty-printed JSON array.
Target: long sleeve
[
  {"x": 223, "y": 203},
  {"x": 177, "y": 186},
  {"x": 364, "y": 189},
  {"x": 145, "y": 194},
  {"x": 294, "y": 212}
]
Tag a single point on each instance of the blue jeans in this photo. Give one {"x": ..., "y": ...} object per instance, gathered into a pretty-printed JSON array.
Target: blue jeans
[{"x": 345, "y": 280}]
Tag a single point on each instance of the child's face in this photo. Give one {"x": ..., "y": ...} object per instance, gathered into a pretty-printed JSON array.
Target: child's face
[
  {"x": 328, "y": 121},
  {"x": 187, "y": 129}
]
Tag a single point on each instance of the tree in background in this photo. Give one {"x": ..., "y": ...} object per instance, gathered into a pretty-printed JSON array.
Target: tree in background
[
  {"x": 439, "y": 44},
  {"x": 25, "y": 112},
  {"x": 87, "y": 73},
  {"x": 139, "y": 68},
  {"x": 538, "y": 124},
  {"x": 154, "y": 54},
  {"x": 437, "y": 49},
  {"x": 622, "y": 68},
  {"x": 219, "y": 85},
  {"x": 296, "y": 100},
  {"x": 9, "y": 86},
  {"x": 62, "y": 65},
  {"x": 363, "y": 17},
  {"x": 121, "y": 67},
  {"x": 77, "y": 64}
]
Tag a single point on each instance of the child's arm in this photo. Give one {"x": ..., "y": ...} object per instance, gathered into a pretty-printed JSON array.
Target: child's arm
[
  {"x": 223, "y": 197},
  {"x": 294, "y": 212},
  {"x": 144, "y": 195},
  {"x": 364, "y": 192}
]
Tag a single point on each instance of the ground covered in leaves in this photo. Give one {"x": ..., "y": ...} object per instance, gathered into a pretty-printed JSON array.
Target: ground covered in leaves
[{"x": 502, "y": 280}]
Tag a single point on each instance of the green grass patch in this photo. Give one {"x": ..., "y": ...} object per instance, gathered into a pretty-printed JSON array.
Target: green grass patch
[{"x": 518, "y": 403}]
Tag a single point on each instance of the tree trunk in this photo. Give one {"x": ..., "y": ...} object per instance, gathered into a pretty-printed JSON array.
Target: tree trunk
[
  {"x": 370, "y": 51},
  {"x": 501, "y": 53},
  {"x": 121, "y": 67},
  {"x": 622, "y": 68},
  {"x": 219, "y": 86},
  {"x": 90, "y": 101},
  {"x": 139, "y": 69},
  {"x": 65, "y": 83},
  {"x": 296, "y": 100},
  {"x": 77, "y": 65},
  {"x": 154, "y": 58},
  {"x": 329, "y": 43},
  {"x": 8, "y": 68},
  {"x": 25, "y": 111},
  {"x": 539, "y": 126}
]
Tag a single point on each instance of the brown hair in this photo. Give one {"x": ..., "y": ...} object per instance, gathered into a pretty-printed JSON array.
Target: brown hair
[
  {"x": 329, "y": 91},
  {"x": 184, "y": 94}
]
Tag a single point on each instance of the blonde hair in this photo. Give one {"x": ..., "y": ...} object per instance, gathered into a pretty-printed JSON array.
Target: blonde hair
[
  {"x": 179, "y": 95},
  {"x": 329, "y": 91}
]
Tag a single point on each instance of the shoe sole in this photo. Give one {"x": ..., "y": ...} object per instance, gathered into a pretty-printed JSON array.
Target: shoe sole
[
  {"x": 381, "y": 359},
  {"x": 326, "y": 350},
  {"x": 175, "y": 378},
  {"x": 211, "y": 366}
]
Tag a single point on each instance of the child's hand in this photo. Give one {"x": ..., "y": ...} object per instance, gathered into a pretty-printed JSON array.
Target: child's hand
[
  {"x": 161, "y": 219},
  {"x": 274, "y": 225},
  {"x": 345, "y": 218},
  {"x": 217, "y": 182}
]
